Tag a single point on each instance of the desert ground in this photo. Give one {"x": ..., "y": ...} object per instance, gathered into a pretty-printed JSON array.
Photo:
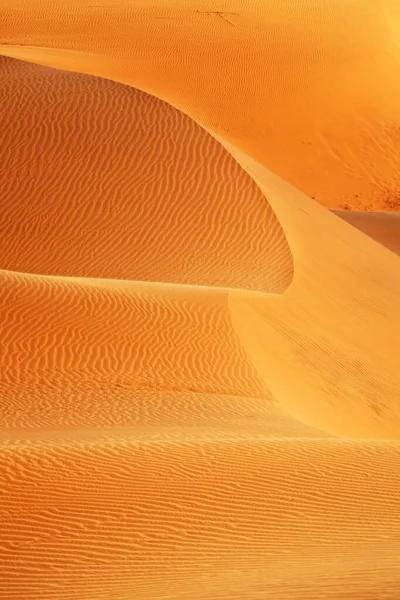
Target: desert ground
[{"x": 200, "y": 300}]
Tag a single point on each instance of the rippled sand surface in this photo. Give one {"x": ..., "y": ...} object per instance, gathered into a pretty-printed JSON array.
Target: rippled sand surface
[{"x": 199, "y": 383}]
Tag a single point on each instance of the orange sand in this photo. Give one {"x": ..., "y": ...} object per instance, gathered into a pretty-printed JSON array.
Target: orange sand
[
  {"x": 309, "y": 89},
  {"x": 224, "y": 423},
  {"x": 382, "y": 227},
  {"x": 150, "y": 160}
]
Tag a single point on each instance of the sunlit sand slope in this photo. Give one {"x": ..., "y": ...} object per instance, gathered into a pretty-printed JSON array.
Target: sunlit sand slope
[
  {"x": 335, "y": 332},
  {"x": 382, "y": 227},
  {"x": 102, "y": 180},
  {"x": 310, "y": 89},
  {"x": 132, "y": 468}
]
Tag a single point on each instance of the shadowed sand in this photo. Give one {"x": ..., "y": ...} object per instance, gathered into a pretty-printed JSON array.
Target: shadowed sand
[
  {"x": 382, "y": 227},
  {"x": 212, "y": 439}
]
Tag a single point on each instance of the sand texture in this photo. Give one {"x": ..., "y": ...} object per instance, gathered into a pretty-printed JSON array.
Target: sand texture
[{"x": 199, "y": 299}]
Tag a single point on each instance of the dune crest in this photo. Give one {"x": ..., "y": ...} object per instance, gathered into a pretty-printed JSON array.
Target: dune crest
[
  {"x": 323, "y": 330},
  {"x": 161, "y": 181},
  {"x": 321, "y": 110}
]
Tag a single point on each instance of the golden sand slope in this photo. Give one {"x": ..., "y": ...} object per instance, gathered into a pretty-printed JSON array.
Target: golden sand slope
[
  {"x": 323, "y": 330},
  {"x": 102, "y": 180},
  {"x": 177, "y": 442},
  {"x": 308, "y": 88},
  {"x": 143, "y": 458},
  {"x": 50, "y": 151}
]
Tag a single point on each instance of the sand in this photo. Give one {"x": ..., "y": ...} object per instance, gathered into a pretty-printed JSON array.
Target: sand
[
  {"x": 151, "y": 160},
  {"x": 383, "y": 227},
  {"x": 317, "y": 98},
  {"x": 199, "y": 368}
]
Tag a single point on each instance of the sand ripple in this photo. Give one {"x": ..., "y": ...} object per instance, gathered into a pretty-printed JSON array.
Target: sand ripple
[{"x": 199, "y": 382}]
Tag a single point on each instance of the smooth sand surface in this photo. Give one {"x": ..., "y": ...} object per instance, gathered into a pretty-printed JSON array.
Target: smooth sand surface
[
  {"x": 199, "y": 363},
  {"x": 381, "y": 226}
]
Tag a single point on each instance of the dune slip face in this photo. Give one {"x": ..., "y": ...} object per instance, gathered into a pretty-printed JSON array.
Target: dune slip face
[{"x": 199, "y": 373}]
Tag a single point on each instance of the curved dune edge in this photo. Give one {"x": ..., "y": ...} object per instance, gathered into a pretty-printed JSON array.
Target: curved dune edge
[
  {"x": 93, "y": 361},
  {"x": 352, "y": 312},
  {"x": 320, "y": 83},
  {"x": 344, "y": 297},
  {"x": 223, "y": 518},
  {"x": 126, "y": 476},
  {"x": 46, "y": 191},
  {"x": 168, "y": 203}
]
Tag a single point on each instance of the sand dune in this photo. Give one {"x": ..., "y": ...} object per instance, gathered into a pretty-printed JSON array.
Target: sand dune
[
  {"x": 50, "y": 151},
  {"x": 151, "y": 160},
  {"x": 132, "y": 519},
  {"x": 130, "y": 477},
  {"x": 62, "y": 333},
  {"x": 199, "y": 441},
  {"x": 382, "y": 227},
  {"x": 317, "y": 99},
  {"x": 323, "y": 330}
]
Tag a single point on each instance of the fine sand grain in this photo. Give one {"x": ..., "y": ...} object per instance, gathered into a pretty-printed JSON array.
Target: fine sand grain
[
  {"x": 161, "y": 182},
  {"x": 199, "y": 373},
  {"x": 309, "y": 89}
]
